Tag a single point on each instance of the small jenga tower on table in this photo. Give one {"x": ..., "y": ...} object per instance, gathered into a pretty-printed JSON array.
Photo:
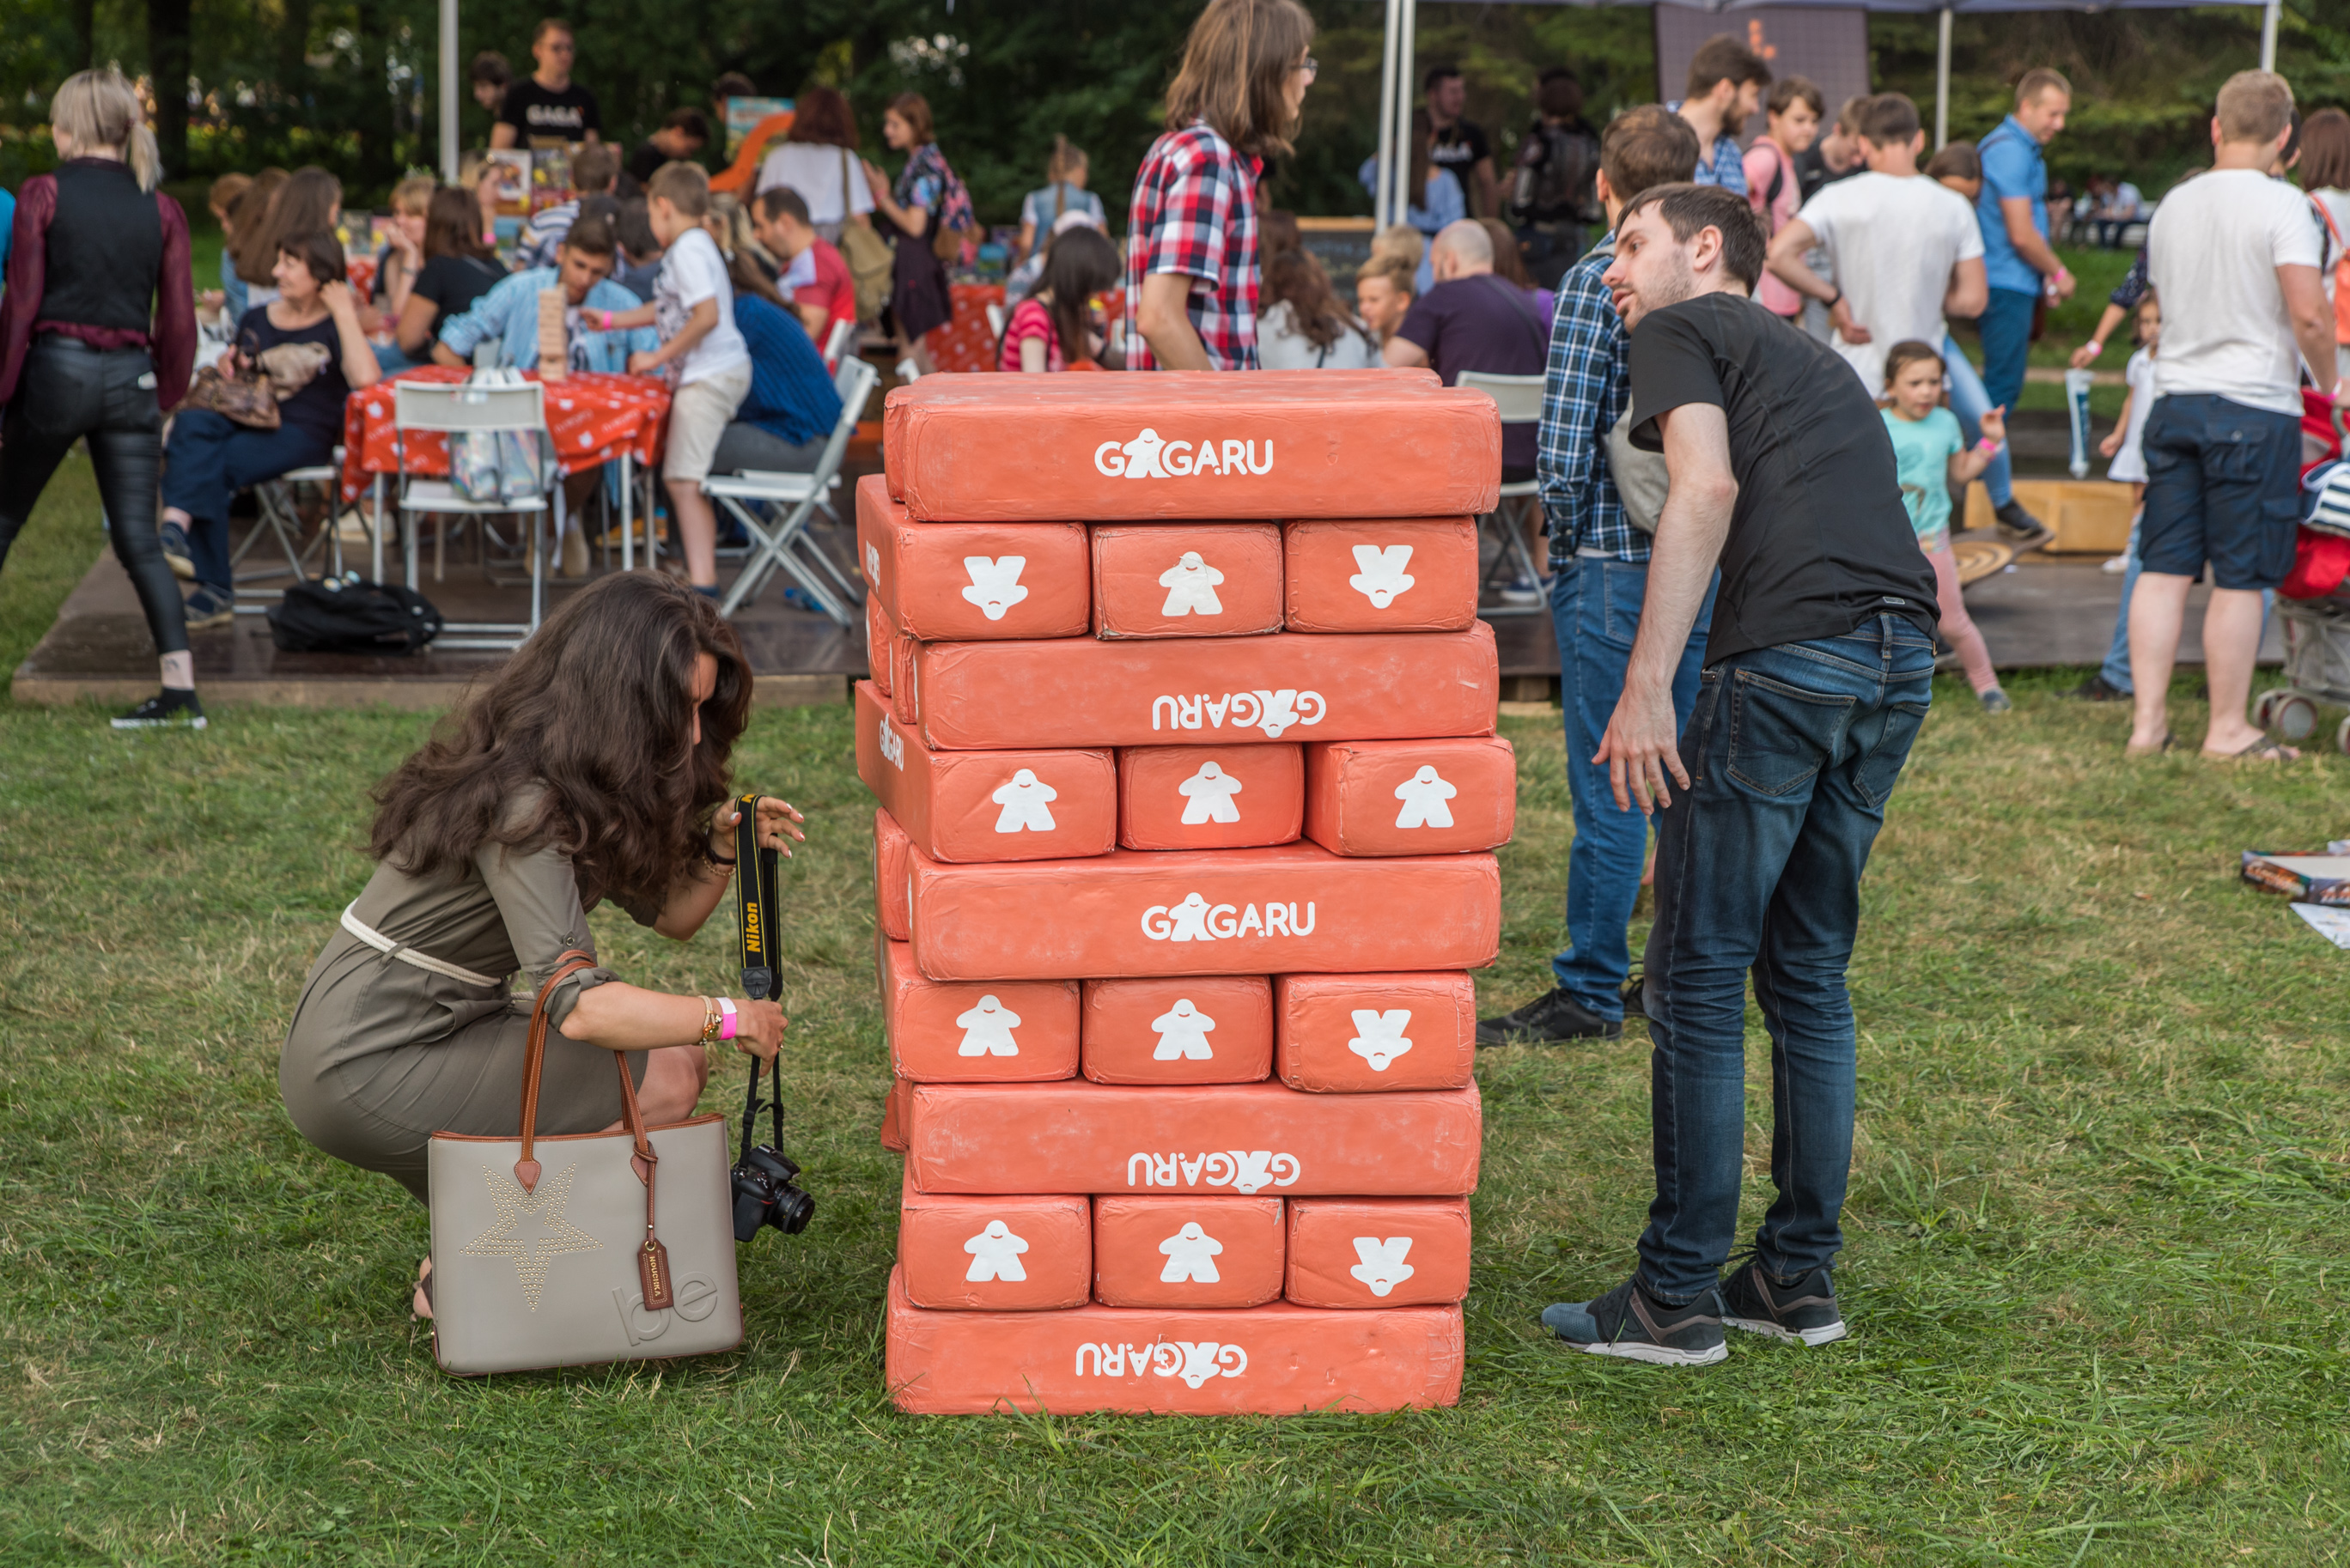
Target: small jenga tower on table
[{"x": 1182, "y": 727}]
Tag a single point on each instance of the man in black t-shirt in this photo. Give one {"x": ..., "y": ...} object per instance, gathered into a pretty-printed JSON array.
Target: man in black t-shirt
[
  {"x": 547, "y": 105},
  {"x": 1818, "y": 669},
  {"x": 1460, "y": 143}
]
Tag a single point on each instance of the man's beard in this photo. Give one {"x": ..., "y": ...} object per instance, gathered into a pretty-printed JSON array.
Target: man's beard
[{"x": 1677, "y": 285}]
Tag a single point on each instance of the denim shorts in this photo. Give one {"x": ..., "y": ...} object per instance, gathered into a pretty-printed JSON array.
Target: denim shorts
[{"x": 2223, "y": 486}]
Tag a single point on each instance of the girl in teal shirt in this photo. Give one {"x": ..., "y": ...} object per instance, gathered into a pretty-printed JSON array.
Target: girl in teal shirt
[{"x": 1933, "y": 455}]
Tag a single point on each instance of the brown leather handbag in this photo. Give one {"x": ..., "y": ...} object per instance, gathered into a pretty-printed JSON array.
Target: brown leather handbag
[{"x": 248, "y": 400}]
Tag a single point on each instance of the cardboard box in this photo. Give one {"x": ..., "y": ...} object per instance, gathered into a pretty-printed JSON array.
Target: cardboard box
[
  {"x": 1248, "y": 1139},
  {"x": 1207, "y": 1029},
  {"x": 1293, "y": 907},
  {"x": 893, "y": 1117},
  {"x": 976, "y": 696},
  {"x": 1411, "y": 797},
  {"x": 1209, "y": 798},
  {"x": 1187, "y": 1251},
  {"x": 893, "y": 878},
  {"x": 1286, "y": 444},
  {"x": 881, "y": 646},
  {"x": 1378, "y": 1251},
  {"x": 972, "y": 581},
  {"x": 1272, "y": 1360},
  {"x": 2090, "y": 516},
  {"x": 1363, "y": 574},
  {"x": 998, "y": 1254},
  {"x": 1016, "y": 1032},
  {"x": 1187, "y": 579},
  {"x": 1358, "y": 1034},
  {"x": 986, "y": 805}
]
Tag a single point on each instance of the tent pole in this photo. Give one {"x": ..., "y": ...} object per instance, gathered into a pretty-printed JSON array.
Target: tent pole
[
  {"x": 1407, "y": 96},
  {"x": 449, "y": 91},
  {"x": 1381, "y": 215},
  {"x": 2268, "y": 34},
  {"x": 1942, "y": 86}
]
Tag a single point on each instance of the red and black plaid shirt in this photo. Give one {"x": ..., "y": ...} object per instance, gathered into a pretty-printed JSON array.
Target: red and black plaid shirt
[{"x": 1194, "y": 213}]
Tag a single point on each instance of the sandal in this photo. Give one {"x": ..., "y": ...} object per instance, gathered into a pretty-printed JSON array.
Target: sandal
[
  {"x": 2260, "y": 751},
  {"x": 2170, "y": 740}
]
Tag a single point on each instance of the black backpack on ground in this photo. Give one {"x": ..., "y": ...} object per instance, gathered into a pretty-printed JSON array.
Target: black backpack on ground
[{"x": 352, "y": 615}]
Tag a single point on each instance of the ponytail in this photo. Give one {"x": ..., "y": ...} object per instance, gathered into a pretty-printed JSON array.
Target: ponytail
[{"x": 145, "y": 158}]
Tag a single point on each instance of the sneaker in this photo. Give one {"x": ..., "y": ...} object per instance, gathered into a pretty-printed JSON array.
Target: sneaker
[
  {"x": 1522, "y": 591},
  {"x": 1801, "y": 1308},
  {"x": 1546, "y": 1019},
  {"x": 1635, "y": 995},
  {"x": 1995, "y": 701},
  {"x": 171, "y": 707},
  {"x": 2021, "y": 528},
  {"x": 175, "y": 552},
  {"x": 2097, "y": 689},
  {"x": 1631, "y": 1324},
  {"x": 209, "y": 606}
]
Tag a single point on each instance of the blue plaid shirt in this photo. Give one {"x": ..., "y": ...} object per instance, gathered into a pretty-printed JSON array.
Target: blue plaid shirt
[
  {"x": 1722, "y": 164},
  {"x": 1585, "y": 390}
]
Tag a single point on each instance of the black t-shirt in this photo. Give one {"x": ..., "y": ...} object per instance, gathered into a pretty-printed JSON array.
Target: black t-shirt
[
  {"x": 1812, "y": 170},
  {"x": 645, "y": 160},
  {"x": 1819, "y": 539},
  {"x": 1483, "y": 323},
  {"x": 318, "y": 408},
  {"x": 537, "y": 112},
  {"x": 453, "y": 283},
  {"x": 1460, "y": 147}
]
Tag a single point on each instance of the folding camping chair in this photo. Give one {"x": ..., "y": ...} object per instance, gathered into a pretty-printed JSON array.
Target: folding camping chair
[
  {"x": 281, "y": 521},
  {"x": 787, "y": 545},
  {"x": 455, "y": 408},
  {"x": 1519, "y": 400},
  {"x": 837, "y": 342}
]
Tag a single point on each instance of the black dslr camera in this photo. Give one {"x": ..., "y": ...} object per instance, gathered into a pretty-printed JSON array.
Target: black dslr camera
[{"x": 765, "y": 1193}]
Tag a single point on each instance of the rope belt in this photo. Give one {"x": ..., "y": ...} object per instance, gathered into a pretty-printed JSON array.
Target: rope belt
[{"x": 409, "y": 955}]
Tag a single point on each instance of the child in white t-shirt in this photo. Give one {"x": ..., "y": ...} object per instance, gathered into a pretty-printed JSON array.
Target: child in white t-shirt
[
  {"x": 2123, "y": 443},
  {"x": 693, "y": 310}
]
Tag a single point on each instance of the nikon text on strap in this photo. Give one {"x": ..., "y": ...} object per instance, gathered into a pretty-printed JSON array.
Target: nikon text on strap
[{"x": 758, "y": 895}]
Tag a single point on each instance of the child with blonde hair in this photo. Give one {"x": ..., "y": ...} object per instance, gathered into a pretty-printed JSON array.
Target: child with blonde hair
[{"x": 1932, "y": 454}]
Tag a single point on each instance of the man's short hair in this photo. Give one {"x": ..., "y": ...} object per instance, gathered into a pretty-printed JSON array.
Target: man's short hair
[
  {"x": 1397, "y": 272},
  {"x": 690, "y": 121},
  {"x": 595, "y": 166},
  {"x": 635, "y": 228},
  {"x": 1647, "y": 147},
  {"x": 685, "y": 186},
  {"x": 734, "y": 84},
  {"x": 1888, "y": 119},
  {"x": 1723, "y": 58},
  {"x": 1466, "y": 238},
  {"x": 1438, "y": 75},
  {"x": 1789, "y": 92},
  {"x": 548, "y": 24},
  {"x": 491, "y": 66},
  {"x": 782, "y": 202},
  {"x": 2255, "y": 106},
  {"x": 1688, "y": 210},
  {"x": 2038, "y": 80},
  {"x": 591, "y": 232}
]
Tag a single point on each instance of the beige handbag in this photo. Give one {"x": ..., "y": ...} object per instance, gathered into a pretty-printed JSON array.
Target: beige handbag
[{"x": 546, "y": 1250}]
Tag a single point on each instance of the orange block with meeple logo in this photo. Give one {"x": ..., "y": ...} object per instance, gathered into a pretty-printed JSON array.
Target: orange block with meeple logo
[
  {"x": 987, "y": 805},
  {"x": 1360, "y": 1033},
  {"x": 1295, "y": 907},
  {"x": 1187, "y": 1251},
  {"x": 1378, "y": 1251},
  {"x": 893, "y": 891},
  {"x": 1211, "y": 1140},
  {"x": 880, "y": 645},
  {"x": 961, "y": 1032},
  {"x": 1216, "y": 689},
  {"x": 1379, "y": 574},
  {"x": 1186, "y": 579},
  {"x": 999, "y": 1253},
  {"x": 1411, "y": 797},
  {"x": 1209, "y": 798},
  {"x": 1271, "y": 444},
  {"x": 971, "y": 580},
  {"x": 1277, "y": 1359},
  {"x": 1205, "y": 1029}
]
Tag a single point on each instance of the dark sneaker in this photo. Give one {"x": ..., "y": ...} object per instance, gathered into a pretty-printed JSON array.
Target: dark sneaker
[
  {"x": 1546, "y": 1019},
  {"x": 1635, "y": 993},
  {"x": 1630, "y": 1323},
  {"x": 2097, "y": 689},
  {"x": 2021, "y": 528},
  {"x": 1804, "y": 1308},
  {"x": 1995, "y": 701},
  {"x": 209, "y": 606},
  {"x": 175, "y": 552},
  {"x": 170, "y": 709}
]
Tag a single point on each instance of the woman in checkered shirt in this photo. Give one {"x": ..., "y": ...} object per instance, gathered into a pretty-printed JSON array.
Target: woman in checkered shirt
[{"x": 1192, "y": 268}]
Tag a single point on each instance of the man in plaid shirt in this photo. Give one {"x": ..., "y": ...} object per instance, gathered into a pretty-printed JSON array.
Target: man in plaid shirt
[
  {"x": 1600, "y": 561},
  {"x": 1725, "y": 88}
]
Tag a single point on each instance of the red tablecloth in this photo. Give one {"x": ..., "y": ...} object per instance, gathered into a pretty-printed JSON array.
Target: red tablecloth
[
  {"x": 967, "y": 342},
  {"x": 593, "y": 419},
  {"x": 359, "y": 271}
]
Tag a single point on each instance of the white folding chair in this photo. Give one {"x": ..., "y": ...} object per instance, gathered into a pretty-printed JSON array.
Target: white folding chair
[
  {"x": 281, "y": 521},
  {"x": 454, "y": 409},
  {"x": 837, "y": 343},
  {"x": 787, "y": 545},
  {"x": 1519, "y": 400},
  {"x": 995, "y": 320}
]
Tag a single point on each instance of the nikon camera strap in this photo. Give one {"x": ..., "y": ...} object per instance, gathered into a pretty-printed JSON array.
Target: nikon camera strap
[{"x": 758, "y": 891}]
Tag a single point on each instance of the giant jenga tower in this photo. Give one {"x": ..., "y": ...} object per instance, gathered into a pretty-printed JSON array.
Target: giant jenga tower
[{"x": 1182, "y": 727}]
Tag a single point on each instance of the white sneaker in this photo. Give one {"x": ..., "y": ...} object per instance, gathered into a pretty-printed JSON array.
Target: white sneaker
[
  {"x": 908, "y": 372},
  {"x": 1522, "y": 591}
]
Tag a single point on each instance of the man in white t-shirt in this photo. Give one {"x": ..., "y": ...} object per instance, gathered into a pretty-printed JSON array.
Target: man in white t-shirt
[
  {"x": 1905, "y": 251},
  {"x": 2233, "y": 254}
]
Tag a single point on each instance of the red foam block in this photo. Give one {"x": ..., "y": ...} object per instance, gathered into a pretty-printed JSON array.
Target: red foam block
[
  {"x": 1411, "y": 797},
  {"x": 1004, "y": 1032},
  {"x": 986, "y": 805},
  {"x": 1207, "y": 1029},
  {"x": 893, "y": 1117},
  {"x": 893, "y": 878},
  {"x": 1209, "y": 798},
  {"x": 1187, "y": 579},
  {"x": 880, "y": 645},
  {"x": 903, "y": 693},
  {"x": 1355, "y": 1034},
  {"x": 971, "y": 580},
  {"x": 1187, "y": 1251},
  {"x": 1002, "y": 1254},
  {"x": 1364, "y": 575},
  {"x": 1378, "y": 1251}
]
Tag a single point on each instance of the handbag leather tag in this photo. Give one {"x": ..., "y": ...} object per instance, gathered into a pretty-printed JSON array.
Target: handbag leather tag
[
  {"x": 526, "y": 1174},
  {"x": 652, "y": 1271}
]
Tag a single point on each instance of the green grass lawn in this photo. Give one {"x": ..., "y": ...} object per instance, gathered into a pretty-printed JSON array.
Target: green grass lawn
[{"x": 2096, "y": 1225}]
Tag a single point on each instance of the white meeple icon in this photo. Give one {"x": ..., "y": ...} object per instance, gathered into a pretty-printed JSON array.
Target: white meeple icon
[
  {"x": 1190, "y": 918},
  {"x": 1191, "y": 1256},
  {"x": 1379, "y": 574},
  {"x": 1183, "y": 1033},
  {"x": 1027, "y": 802},
  {"x": 1424, "y": 796},
  {"x": 1380, "y": 1037},
  {"x": 1191, "y": 584},
  {"x": 987, "y": 1029},
  {"x": 995, "y": 1254},
  {"x": 1141, "y": 456},
  {"x": 994, "y": 583},
  {"x": 1382, "y": 1267},
  {"x": 1208, "y": 796}
]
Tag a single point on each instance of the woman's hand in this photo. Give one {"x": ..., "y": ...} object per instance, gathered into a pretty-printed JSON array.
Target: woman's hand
[
  {"x": 231, "y": 366},
  {"x": 2112, "y": 443},
  {"x": 759, "y": 1029},
  {"x": 778, "y": 820},
  {"x": 878, "y": 180},
  {"x": 644, "y": 362},
  {"x": 337, "y": 299}
]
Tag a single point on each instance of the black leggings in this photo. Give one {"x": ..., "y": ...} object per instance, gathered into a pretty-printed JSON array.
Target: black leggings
[{"x": 69, "y": 390}]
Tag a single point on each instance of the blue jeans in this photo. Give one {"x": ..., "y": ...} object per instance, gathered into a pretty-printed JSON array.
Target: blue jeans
[
  {"x": 209, "y": 459},
  {"x": 1594, "y": 608},
  {"x": 1792, "y": 753},
  {"x": 2115, "y": 670},
  {"x": 1971, "y": 402},
  {"x": 2005, "y": 326}
]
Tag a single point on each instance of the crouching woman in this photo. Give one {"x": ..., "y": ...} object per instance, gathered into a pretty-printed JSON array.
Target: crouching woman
[{"x": 593, "y": 767}]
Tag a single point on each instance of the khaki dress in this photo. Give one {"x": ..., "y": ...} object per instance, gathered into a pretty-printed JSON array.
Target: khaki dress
[{"x": 381, "y": 1054}]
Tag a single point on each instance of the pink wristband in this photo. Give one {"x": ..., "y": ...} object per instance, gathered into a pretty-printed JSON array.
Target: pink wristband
[
  {"x": 1987, "y": 444},
  {"x": 728, "y": 1020}
]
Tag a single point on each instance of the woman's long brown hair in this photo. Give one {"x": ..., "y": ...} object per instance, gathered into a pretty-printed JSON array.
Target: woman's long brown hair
[
  {"x": 1235, "y": 64},
  {"x": 453, "y": 226},
  {"x": 1296, "y": 278},
  {"x": 299, "y": 206},
  {"x": 598, "y": 709}
]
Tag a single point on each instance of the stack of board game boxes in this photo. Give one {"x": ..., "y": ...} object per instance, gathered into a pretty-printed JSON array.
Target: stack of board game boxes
[{"x": 1181, "y": 721}]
